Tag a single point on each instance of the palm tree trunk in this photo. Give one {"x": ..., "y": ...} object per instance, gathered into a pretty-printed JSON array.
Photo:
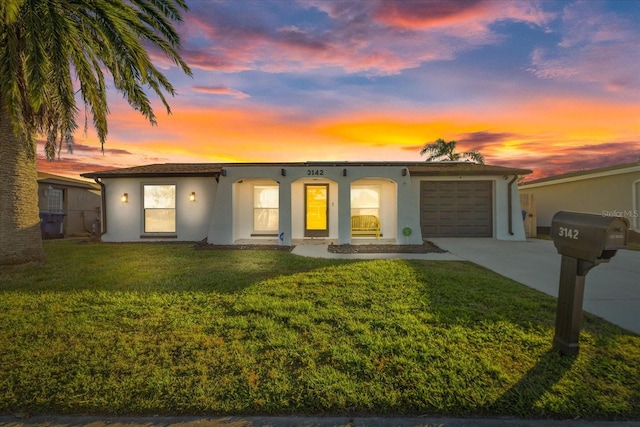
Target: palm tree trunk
[{"x": 20, "y": 238}]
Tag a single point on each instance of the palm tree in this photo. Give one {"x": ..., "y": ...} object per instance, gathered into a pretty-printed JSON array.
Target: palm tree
[
  {"x": 50, "y": 52},
  {"x": 446, "y": 151}
]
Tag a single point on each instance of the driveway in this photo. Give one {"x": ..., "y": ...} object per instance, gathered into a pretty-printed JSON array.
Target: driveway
[{"x": 612, "y": 290}]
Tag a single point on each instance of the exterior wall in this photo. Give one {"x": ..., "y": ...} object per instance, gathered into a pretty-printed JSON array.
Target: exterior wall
[
  {"x": 125, "y": 220},
  {"x": 243, "y": 208},
  {"x": 223, "y": 211},
  {"x": 234, "y": 186},
  {"x": 81, "y": 207},
  {"x": 614, "y": 195},
  {"x": 500, "y": 205},
  {"x": 501, "y": 212}
]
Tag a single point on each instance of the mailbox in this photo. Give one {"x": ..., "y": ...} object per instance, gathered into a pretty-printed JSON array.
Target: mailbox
[
  {"x": 588, "y": 237},
  {"x": 584, "y": 241}
]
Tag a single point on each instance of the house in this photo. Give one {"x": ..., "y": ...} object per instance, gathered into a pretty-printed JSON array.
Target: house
[
  {"x": 609, "y": 191},
  {"x": 68, "y": 207},
  {"x": 287, "y": 203}
]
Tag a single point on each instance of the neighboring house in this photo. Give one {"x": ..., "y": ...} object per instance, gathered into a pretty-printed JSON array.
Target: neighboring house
[
  {"x": 68, "y": 207},
  {"x": 287, "y": 203},
  {"x": 609, "y": 191}
]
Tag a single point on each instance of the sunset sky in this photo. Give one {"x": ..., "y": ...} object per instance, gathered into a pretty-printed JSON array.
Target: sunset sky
[{"x": 552, "y": 86}]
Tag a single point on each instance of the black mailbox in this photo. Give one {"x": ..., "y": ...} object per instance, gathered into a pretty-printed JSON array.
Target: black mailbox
[
  {"x": 588, "y": 237},
  {"x": 584, "y": 241}
]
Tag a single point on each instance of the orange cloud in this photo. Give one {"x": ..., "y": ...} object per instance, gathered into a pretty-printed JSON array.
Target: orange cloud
[{"x": 549, "y": 135}]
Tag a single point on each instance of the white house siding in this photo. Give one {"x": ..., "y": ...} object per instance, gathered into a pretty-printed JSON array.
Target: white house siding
[
  {"x": 125, "y": 220},
  {"x": 243, "y": 208},
  {"x": 613, "y": 192},
  {"x": 223, "y": 210},
  {"x": 235, "y": 186}
]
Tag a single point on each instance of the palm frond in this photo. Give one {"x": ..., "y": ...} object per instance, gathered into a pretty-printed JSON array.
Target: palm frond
[
  {"x": 9, "y": 11},
  {"x": 475, "y": 156},
  {"x": 43, "y": 42},
  {"x": 441, "y": 150}
]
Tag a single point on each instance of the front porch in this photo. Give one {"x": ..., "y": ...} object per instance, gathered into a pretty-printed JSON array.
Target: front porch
[{"x": 299, "y": 206}]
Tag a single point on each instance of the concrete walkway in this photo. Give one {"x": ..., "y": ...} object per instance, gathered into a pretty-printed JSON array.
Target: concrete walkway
[
  {"x": 612, "y": 289},
  {"x": 321, "y": 251},
  {"x": 298, "y": 421}
]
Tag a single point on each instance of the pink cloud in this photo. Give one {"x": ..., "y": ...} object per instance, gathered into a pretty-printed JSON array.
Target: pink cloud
[
  {"x": 372, "y": 37},
  {"x": 221, "y": 90},
  {"x": 453, "y": 13}
]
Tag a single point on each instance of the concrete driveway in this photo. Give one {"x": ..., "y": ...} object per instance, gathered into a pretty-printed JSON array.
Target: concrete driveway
[{"x": 612, "y": 290}]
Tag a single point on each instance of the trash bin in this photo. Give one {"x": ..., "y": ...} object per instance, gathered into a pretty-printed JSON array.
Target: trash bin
[
  {"x": 96, "y": 228},
  {"x": 51, "y": 225}
]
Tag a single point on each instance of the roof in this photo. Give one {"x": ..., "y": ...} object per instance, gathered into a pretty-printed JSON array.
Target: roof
[
  {"x": 214, "y": 169},
  {"x": 461, "y": 168},
  {"x": 47, "y": 178},
  {"x": 585, "y": 174},
  {"x": 160, "y": 170}
]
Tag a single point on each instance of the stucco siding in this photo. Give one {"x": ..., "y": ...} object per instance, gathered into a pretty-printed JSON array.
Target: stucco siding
[
  {"x": 126, "y": 220},
  {"x": 236, "y": 184},
  {"x": 223, "y": 212}
]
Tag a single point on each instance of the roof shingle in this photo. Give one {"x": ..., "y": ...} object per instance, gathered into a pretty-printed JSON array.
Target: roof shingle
[{"x": 214, "y": 169}]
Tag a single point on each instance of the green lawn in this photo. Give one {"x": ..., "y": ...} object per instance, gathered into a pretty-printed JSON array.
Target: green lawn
[{"x": 166, "y": 329}]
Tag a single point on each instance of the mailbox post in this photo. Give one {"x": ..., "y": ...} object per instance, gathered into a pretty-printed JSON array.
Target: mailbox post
[{"x": 584, "y": 241}]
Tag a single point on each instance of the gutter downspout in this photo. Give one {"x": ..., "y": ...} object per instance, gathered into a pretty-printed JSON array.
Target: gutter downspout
[
  {"x": 510, "y": 203},
  {"x": 103, "y": 208}
]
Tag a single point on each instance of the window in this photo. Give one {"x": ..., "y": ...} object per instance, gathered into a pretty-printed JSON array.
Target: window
[
  {"x": 365, "y": 200},
  {"x": 54, "y": 200},
  {"x": 265, "y": 208},
  {"x": 159, "y": 208}
]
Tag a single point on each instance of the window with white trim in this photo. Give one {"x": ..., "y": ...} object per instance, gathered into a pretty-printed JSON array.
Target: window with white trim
[
  {"x": 265, "y": 208},
  {"x": 54, "y": 200},
  {"x": 365, "y": 200},
  {"x": 159, "y": 208}
]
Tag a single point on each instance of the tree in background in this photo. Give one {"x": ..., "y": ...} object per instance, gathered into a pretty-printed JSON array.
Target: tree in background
[
  {"x": 51, "y": 51},
  {"x": 446, "y": 151}
]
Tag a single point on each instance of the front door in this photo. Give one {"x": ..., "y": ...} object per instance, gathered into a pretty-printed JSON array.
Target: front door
[{"x": 316, "y": 222}]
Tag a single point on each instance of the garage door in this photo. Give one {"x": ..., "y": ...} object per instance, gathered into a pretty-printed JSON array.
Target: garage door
[{"x": 456, "y": 208}]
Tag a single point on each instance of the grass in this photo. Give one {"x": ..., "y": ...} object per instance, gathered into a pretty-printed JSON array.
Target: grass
[{"x": 163, "y": 329}]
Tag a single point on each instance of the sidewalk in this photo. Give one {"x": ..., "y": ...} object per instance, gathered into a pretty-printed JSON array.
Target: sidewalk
[{"x": 298, "y": 421}]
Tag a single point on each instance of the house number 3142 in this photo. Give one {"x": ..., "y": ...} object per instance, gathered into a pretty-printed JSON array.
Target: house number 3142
[
  {"x": 315, "y": 172},
  {"x": 570, "y": 233}
]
